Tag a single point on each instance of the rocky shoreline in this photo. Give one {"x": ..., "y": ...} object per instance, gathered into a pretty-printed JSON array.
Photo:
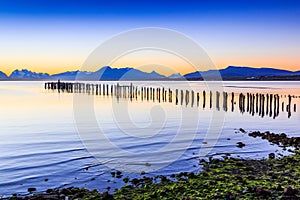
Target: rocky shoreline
[{"x": 277, "y": 177}]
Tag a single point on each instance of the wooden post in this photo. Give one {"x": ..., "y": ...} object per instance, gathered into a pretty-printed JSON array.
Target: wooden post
[
  {"x": 218, "y": 100},
  {"x": 187, "y": 97},
  {"x": 270, "y": 109},
  {"x": 181, "y": 96},
  {"x": 210, "y": 99},
  {"x": 176, "y": 96},
  {"x": 204, "y": 99},
  {"x": 232, "y": 102},
  {"x": 192, "y": 104}
]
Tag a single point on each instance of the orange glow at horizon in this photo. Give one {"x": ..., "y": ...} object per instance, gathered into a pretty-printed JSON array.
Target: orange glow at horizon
[{"x": 163, "y": 64}]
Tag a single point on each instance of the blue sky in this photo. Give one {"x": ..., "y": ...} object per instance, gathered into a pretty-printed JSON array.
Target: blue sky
[{"x": 54, "y": 36}]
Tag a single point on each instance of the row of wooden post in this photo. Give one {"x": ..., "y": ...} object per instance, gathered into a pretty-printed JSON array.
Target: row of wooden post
[{"x": 261, "y": 104}]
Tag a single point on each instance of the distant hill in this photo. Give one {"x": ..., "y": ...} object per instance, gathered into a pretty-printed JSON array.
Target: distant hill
[
  {"x": 25, "y": 74},
  {"x": 3, "y": 76},
  {"x": 69, "y": 75},
  {"x": 108, "y": 73},
  {"x": 233, "y": 72},
  {"x": 176, "y": 76}
]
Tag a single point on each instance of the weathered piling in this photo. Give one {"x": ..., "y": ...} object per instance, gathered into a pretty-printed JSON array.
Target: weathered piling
[
  {"x": 204, "y": 98},
  {"x": 187, "y": 97},
  {"x": 289, "y": 105},
  {"x": 253, "y": 103},
  {"x": 192, "y": 100},
  {"x": 181, "y": 97},
  {"x": 225, "y": 96},
  {"x": 263, "y": 106},
  {"x": 176, "y": 96},
  {"x": 218, "y": 100},
  {"x": 170, "y": 96},
  {"x": 248, "y": 102},
  {"x": 232, "y": 101},
  {"x": 210, "y": 99}
]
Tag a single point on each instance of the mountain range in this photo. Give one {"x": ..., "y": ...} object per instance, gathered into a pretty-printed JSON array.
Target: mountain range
[{"x": 108, "y": 73}]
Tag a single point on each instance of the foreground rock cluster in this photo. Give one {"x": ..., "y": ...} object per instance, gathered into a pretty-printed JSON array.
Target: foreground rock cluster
[{"x": 226, "y": 178}]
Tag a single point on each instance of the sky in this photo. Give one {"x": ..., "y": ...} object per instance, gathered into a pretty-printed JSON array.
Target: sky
[{"x": 54, "y": 36}]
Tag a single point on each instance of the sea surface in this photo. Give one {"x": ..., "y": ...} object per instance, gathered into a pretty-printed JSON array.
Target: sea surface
[{"x": 51, "y": 139}]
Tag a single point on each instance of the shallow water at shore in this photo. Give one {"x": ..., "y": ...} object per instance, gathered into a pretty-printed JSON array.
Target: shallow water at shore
[{"x": 40, "y": 145}]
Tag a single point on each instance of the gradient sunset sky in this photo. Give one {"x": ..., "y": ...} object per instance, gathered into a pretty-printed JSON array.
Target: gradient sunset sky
[{"x": 55, "y": 36}]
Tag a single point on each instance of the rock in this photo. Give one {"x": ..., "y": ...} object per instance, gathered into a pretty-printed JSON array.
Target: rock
[
  {"x": 113, "y": 174},
  {"x": 119, "y": 173},
  {"x": 279, "y": 188},
  {"x": 271, "y": 155},
  {"x": 263, "y": 192},
  {"x": 31, "y": 189},
  {"x": 49, "y": 191},
  {"x": 289, "y": 191},
  {"x": 240, "y": 144},
  {"x": 191, "y": 175},
  {"x": 65, "y": 191},
  {"x": 242, "y": 130}
]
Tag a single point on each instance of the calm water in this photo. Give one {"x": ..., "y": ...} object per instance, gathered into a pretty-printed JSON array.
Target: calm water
[{"x": 51, "y": 139}]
